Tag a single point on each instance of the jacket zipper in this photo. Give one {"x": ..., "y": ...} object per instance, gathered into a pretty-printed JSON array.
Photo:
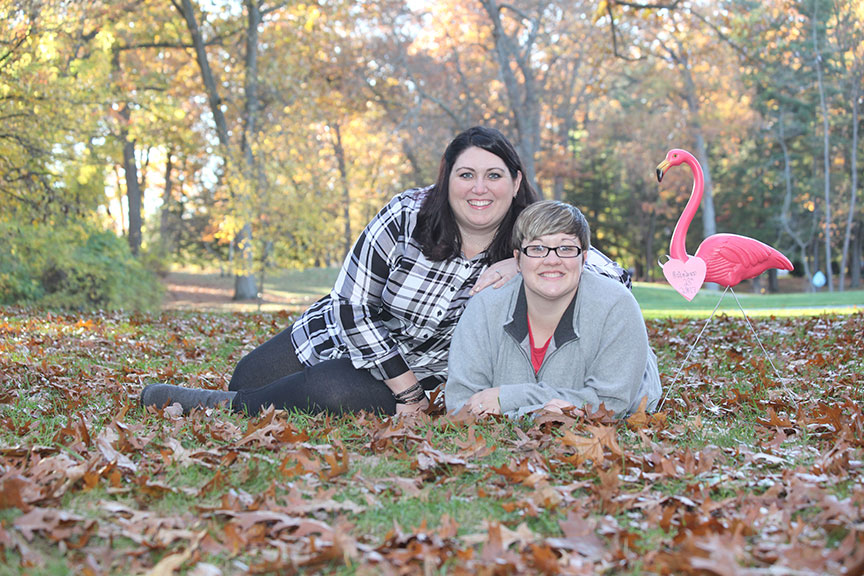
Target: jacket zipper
[
  {"x": 548, "y": 356},
  {"x": 524, "y": 355}
]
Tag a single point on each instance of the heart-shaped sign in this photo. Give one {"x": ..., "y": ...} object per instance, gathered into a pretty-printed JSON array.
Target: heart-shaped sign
[{"x": 685, "y": 277}]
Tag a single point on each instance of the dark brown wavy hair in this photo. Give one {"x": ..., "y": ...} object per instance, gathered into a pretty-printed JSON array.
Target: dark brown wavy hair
[{"x": 437, "y": 231}]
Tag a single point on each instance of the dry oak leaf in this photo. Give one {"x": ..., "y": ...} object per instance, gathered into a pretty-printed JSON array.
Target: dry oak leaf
[
  {"x": 497, "y": 542},
  {"x": 172, "y": 562},
  {"x": 105, "y": 441},
  {"x": 639, "y": 419},
  {"x": 526, "y": 472},
  {"x": 579, "y": 536},
  {"x": 475, "y": 446},
  {"x": 16, "y": 491},
  {"x": 592, "y": 448},
  {"x": 57, "y": 524},
  {"x": 430, "y": 460}
]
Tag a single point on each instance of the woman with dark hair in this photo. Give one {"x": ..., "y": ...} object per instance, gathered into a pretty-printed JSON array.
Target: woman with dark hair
[{"x": 380, "y": 339}]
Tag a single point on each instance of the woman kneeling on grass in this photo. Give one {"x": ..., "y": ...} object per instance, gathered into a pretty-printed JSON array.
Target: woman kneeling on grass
[
  {"x": 381, "y": 337},
  {"x": 558, "y": 335}
]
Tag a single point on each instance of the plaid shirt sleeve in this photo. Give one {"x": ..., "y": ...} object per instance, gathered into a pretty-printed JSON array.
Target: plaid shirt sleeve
[
  {"x": 605, "y": 266},
  {"x": 357, "y": 295}
]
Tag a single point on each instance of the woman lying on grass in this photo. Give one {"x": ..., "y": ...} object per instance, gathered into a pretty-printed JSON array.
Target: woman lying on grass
[{"x": 558, "y": 335}]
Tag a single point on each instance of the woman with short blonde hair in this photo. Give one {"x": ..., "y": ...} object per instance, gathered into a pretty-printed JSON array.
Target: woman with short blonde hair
[{"x": 556, "y": 335}]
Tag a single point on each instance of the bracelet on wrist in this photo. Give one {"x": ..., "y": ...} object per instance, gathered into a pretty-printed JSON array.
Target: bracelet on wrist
[{"x": 412, "y": 395}]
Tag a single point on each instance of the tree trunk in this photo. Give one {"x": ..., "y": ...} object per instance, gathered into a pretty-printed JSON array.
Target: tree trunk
[
  {"x": 244, "y": 282},
  {"x": 416, "y": 167},
  {"x": 566, "y": 116},
  {"x": 524, "y": 98},
  {"x": 826, "y": 154},
  {"x": 250, "y": 124},
  {"x": 133, "y": 188},
  {"x": 847, "y": 236},
  {"x": 855, "y": 268},
  {"x": 709, "y": 221},
  {"x": 787, "y": 202},
  {"x": 343, "y": 178},
  {"x": 773, "y": 283},
  {"x": 166, "y": 234},
  {"x": 649, "y": 246},
  {"x": 130, "y": 167},
  {"x": 210, "y": 87}
]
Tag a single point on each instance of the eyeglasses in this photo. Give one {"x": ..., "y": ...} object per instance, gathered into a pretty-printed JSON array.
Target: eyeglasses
[{"x": 565, "y": 251}]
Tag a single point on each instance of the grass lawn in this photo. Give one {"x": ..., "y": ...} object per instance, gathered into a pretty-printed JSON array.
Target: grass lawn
[
  {"x": 661, "y": 300},
  {"x": 295, "y": 289},
  {"x": 739, "y": 473},
  {"x": 657, "y": 300}
]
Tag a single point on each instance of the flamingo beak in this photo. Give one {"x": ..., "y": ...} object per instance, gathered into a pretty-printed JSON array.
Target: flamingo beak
[{"x": 661, "y": 169}]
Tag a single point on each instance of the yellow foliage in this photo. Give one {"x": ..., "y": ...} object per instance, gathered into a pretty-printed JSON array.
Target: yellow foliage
[
  {"x": 87, "y": 173},
  {"x": 105, "y": 40},
  {"x": 312, "y": 16},
  {"x": 47, "y": 50},
  {"x": 601, "y": 10}
]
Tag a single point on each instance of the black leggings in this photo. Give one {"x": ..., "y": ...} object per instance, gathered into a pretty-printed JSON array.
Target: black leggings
[{"x": 272, "y": 374}]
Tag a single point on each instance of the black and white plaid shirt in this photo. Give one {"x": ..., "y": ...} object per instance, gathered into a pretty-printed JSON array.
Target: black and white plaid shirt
[{"x": 392, "y": 309}]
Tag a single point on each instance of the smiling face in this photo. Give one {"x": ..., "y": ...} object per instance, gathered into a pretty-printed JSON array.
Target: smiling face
[
  {"x": 481, "y": 191},
  {"x": 551, "y": 278}
]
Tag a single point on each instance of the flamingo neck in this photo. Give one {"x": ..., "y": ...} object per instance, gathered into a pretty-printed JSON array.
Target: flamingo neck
[{"x": 677, "y": 247}]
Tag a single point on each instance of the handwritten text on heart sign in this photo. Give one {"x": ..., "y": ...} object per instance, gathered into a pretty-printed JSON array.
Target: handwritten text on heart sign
[{"x": 686, "y": 277}]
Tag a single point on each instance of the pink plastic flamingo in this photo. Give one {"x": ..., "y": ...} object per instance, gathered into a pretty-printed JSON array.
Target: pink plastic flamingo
[{"x": 726, "y": 259}]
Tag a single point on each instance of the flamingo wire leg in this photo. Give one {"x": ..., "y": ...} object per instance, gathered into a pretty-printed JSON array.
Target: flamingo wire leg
[
  {"x": 759, "y": 341},
  {"x": 689, "y": 352}
]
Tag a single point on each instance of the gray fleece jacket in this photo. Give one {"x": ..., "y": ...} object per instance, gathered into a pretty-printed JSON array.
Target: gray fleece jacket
[{"x": 598, "y": 354}]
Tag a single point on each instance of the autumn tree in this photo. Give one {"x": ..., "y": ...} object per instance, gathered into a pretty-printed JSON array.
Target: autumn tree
[
  {"x": 54, "y": 66},
  {"x": 51, "y": 71},
  {"x": 298, "y": 121},
  {"x": 849, "y": 33},
  {"x": 238, "y": 159}
]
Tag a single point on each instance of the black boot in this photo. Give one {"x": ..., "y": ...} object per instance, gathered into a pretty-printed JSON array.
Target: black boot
[{"x": 160, "y": 395}]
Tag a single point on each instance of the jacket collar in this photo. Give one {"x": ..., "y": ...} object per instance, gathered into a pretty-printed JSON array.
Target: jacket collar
[{"x": 517, "y": 327}]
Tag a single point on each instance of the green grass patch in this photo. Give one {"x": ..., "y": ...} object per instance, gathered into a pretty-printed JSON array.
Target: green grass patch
[
  {"x": 289, "y": 492},
  {"x": 661, "y": 300}
]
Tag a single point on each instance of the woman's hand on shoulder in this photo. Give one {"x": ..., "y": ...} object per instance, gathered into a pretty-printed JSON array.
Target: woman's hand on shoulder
[{"x": 496, "y": 275}]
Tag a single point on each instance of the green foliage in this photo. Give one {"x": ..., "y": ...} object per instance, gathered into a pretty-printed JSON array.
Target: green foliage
[
  {"x": 72, "y": 267},
  {"x": 348, "y": 104}
]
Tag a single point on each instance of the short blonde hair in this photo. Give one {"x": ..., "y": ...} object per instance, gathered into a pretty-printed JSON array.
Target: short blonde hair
[{"x": 551, "y": 217}]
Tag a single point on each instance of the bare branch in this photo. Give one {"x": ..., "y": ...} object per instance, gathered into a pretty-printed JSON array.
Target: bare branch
[
  {"x": 10, "y": 193},
  {"x": 613, "y": 30},
  {"x": 264, "y": 11},
  {"x": 720, "y": 34},
  {"x": 17, "y": 45},
  {"x": 515, "y": 10},
  {"x": 637, "y": 6}
]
